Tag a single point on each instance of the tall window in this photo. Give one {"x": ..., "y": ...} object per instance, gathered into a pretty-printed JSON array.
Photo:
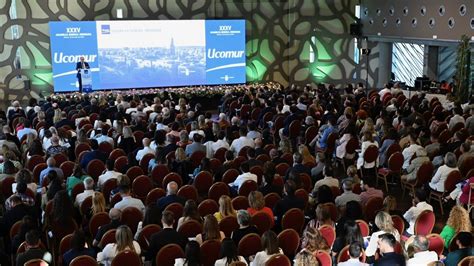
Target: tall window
[{"x": 407, "y": 62}]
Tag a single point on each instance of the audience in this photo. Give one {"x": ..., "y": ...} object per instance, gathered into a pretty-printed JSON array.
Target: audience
[
  {"x": 355, "y": 252},
  {"x": 464, "y": 245},
  {"x": 422, "y": 255},
  {"x": 419, "y": 204},
  {"x": 225, "y": 208},
  {"x": 33, "y": 249},
  {"x": 270, "y": 247},
  {"x": 78, "y": 248},
  {"x": 171, "y": 197},
  {"x": 386, "y": 244},
  {"x": 123, "y": 241},
  {"x": 210, "y": 230},
  {"x": 245, "y": 227},
  {"x": 192, "y": 254},
  {"x": 228, "y": 254}
]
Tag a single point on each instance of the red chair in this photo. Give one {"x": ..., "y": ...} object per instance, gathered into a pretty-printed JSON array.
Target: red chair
[
  {"x": 247, "y": 187},
  {"x": 344, "y": 255},
  {"x": 172, "y": 177},
  {"x": 167, "y": 255},
  {"x": 86, "y": 206},
  {"x": 424, "y": 223},
  {"x": 302, "y": 194},
  {"x": 240, "y": 203},
  {"x": 208, "y": 206},
  {"x": 370, "y": 156},
  {"x": 60, "y": 158},
  {"x": 115, "y": 199},
  {"x": 249, "y": 245},
  {"x": 203, "y": 182},
  {"x": 120, "y": 163},
  {"x": 228, "y": 225},
  {"x": 449, "y": 185},
  {"x": 106, "y": 147},
  {"x": 364, "y": 228},
  {"x": 281, "y": 168},
  {"x": 229, "y": 176},
  {"x": 467, "y": 261},
  {"x": 116, "y": 153},
  {"x": 15, "y": 229},
  {"x": 6, "y": 186},
  {"x": 190, "y": 228},
  {"x": 81, "y": 147},
  {"x": 141, "y": 186},
  {"x": 329, "y": 233},
  {"x": 436, "y": 243},
  {"x": 287, "y": 157},
  {"x": 263, "y": 158},
  {"x": 158, "y": 173},
  {"x": 107, "y": 238},
  {"x": 176, "y": 209},
  {"x": 36, "y": 262},
  {"x": 64, "y": 246},
  {"x": 107, "y": 188},
  {"x": 131, "y": 216},
  {"x": 336, "y": 191},
  {"x": 423, "y": 176},
  {"x": 126, "y": 257},
  {"x": 196, "y": 158},
  {"x": 373, "y": 206},
  {"x": 210, "y": 252},
  {"x": 33, "y": 161},
  {"x": 258, "y": 171},
  {"x": 77, "y": 189},
  {"x": 96, "y": 221},
  {"x": 278, "y": 259},
  {"x": 95, "y": 168},
  {"x": 398, "y": 223},
  {"x": 288, "y": 241},
  {"x": 37, "y": 171},
  {"x": 271, "y": 200},
  {"x": 262, "y": 221},
  {"x": 323, "y": 258},
  {"x": 217, "y": 190},
  {"x": 220, "y": 154},
  {"x": 188, "y": 192},
  {"x": 145, "y": 161},
  {"x": 154, "y": 195},
  {"x": 395, "y": 163},
  {"x": 307, "y": 182},
  {"x": 83, "y": 260},
  {"x": 146, "y": 233},
  {"x": 139, "y": 135},
  {"x": 294, "y": 219},
  {"x": 310, "y": 133},
  {"x": 67, "y": 168},
  {"x": 134, "y": 172}
]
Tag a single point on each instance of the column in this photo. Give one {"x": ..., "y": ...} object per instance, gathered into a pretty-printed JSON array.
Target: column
[
  {"x": 430, "y": 66},
  {"x": 385, "y": 63}
]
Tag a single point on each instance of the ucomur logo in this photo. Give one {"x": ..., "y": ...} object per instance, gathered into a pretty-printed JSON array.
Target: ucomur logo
[
  {"x": 213, "y": 53},
  {"x": 60, "y": 58},
  {"x": 105, "y": 29}
]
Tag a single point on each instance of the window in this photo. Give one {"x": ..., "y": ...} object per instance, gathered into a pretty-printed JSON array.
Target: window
[{"x": 407, "y": 62}]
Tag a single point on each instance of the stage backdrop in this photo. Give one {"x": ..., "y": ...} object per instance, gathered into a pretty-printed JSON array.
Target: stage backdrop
[{"x": 139, "y": 54}]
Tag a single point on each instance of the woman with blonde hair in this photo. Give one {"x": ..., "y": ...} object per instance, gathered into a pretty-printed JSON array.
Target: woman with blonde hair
[
  {"x": 257, "y": 204},
  {"x": 210, "y": 230},
  {"x": 127, "y": 141},
  {"x": 123, "y": 241},
  {"x": 313, "y": 241},
  {"x": 98, "y": 203},
  {"x": 384, "y": 223},
  {"x": 458, "y": 221},
  {"x": 307, "y": 157},
  {"x": 225, "y": 208}
]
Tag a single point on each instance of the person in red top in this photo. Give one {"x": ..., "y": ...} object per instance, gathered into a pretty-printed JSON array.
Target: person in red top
[{"x": 257, "y": 204}]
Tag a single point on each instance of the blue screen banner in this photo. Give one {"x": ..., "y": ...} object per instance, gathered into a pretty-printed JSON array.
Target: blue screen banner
[{"x": 141, "y": 54}]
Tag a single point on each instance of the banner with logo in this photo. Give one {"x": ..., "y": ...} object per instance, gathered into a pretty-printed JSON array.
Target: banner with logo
[{"x": 140, "y": 54}]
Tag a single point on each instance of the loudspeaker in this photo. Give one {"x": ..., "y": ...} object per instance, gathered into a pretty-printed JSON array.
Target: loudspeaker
[{"x": 356, "y": 29}]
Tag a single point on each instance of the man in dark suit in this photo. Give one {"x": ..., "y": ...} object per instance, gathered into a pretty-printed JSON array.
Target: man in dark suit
[
  {"x": 81, "y": 65},
  {"x": 15, "y": 214},
  {"x": 298, "y": 166},
  {"x": 171, "y": 197},
  {"x": 94, "y": 154},
  {"x": 166, "y": 236},
  {"x": 288, "y": 202},
  {"x": 33, "y": 250},
  {"x": 386, "y": 244}
]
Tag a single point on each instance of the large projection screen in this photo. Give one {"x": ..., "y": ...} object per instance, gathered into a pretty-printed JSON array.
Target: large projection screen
[{"x": 142, "y": 54}]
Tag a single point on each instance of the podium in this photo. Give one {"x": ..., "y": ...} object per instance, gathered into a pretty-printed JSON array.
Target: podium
[{"x": 86, "y": 80}]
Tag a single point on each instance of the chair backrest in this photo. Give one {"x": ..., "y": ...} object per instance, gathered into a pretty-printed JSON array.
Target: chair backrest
[
  {"x": 281, "y": 168},
  {"x": 141, "y": 186},
  {"x": 288, "y": 241},
  {"x": 36, "y": 262},
  {"x": 247, "y": 187},
  {"x": 364, "y": 227},
  {"x": 172, "y": 177},
  {"x": 120, "y": 163},
  {"x": 332, "y": 209},
  {"x": 86, "y": 205},
  {"x": 352, "y": 145},
  {"x": 393, "y": 148},
  {"x": 208, "y": 206},
  {"x": 323, "y": 258},
  {"x": 196, "y": 158},
  {"x": 450, "y": 183},
  {"x": 210, "y": 252},
  {"x": 117, "y": 153},
  {"x": 77, "y": 189},
  {"x": 467, "y": 261},
  {"x": 424, "y": 223},
  {"x": 294, "y": 219},
  {"x": 83, "y": 260},
  {"x": 395, "y": 162},
  {"x": 67, "y": 168},
  {"x": 176, "y": 208},
  {"x": 107, "y": 188},
  {"x": 228, "y": 225},
  {"x": 95, "y": 168},
  {"x": 230, "y": 175},
  {"x": 145, "y": 161},
  {"x": 240, "y": 203},
  {"x": 97, "y": 221},
  {"x": 424, "y": 174},
  {"x": 262, "y": 221},
  {"x": 107, "y": 238},
  {"x": 134, "y": 172},
  {"x": 126, "y": 257},
  {"x": 158, "y": 173},
  {"x": 398, "y": 223},
  {"x": 306, "y": 181},
  {"x": 167, "y": 255},
  {"x": 188, "y": 192},
  {"x": 328, "y": 233},
  {"x": 217, "y": 190},
  {"x": 278, "y": 260},
  {"x": 373, "y": 206},
  {"x": 65, "y": 244},
  {"x": 436, "y": 243},
  {"x": 371, "y": 154},
  {"x": 344, "y": 255},
  {"x": 203, "y": 182},
  {"x": 190, "y": 228},
  {"x": 146, "y": 233},
  {"x": 271, "y": 199},
  {"x": 15, "y": 229},
  {"x": 294, "y": 129},
  {"x": 331, "y": 142},
  {"x": 249, "y": 245},
  {"x": 131, "y": 216},
  {"x": 154, "y": 195}
]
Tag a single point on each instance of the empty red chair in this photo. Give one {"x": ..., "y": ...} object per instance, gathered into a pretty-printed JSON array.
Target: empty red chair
[
  {"x": 126, "y": 257},
  {"x": 208, "y": 206},
  {"x": 190, "y": 228},
  {"x": 240, "y": 203},
  {"x": 217, "y": 190},
  {"x": 134, "y": 172},
  {"x": 436, "y": 243},
  {"x": 364, "y": 227},
  {"x": 398, "y": 223},
  {"x": 262, "y": 221},
  {"x": 96, "y": 221},
  {"x": 328, "y": 233},
  {"x": 60, "y": 158},
  {"x": 203, "y": 182},
  {"x": 249, "y": 245},
  {"x": 154, "y": 195},
  {"x": 141, "y": 186},
  {"x": 281, "y": 168},
  {"x": 210, "y": 252},
  {"x": 228, "y": 225},
  {"x": 302, "y": 194},
  {"x": 37, "y": 170},
  {"x": 294, "y": 219},
  {"x": 77, "y": 189},
  {"x": 80, "y": 148},
  {"x": 131, "y": 216},
  {"x": 288, "y": 241},
  {"x": 167, "y": 255},
  {"x": 247, "y": 187},
  {"x": 424, "y": 223},
  {"x": 158, "y": 173},
  {"x": 188, "y": 192},
  {"x": 323, "y": 258}
]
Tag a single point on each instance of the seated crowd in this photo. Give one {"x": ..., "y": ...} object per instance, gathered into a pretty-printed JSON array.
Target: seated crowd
[{"x": 271, "y": 176}]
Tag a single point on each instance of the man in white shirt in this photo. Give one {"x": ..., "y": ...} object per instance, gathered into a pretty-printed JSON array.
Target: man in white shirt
[
  {"x": 457, "y": 118},
  {"x": 128, "y": 201},
  {"x": 109, "y": 173},
  {"x": 347, "y": 196},
  {"x": 146, "y": 149},
  {"x": 26, "y": 130},
  {"x": 102, "y": 137},
  {"x": 88, "y": 191},
  {"x": 409, "y": 151},
  {"x": 422, "y": 255},
  {"x": 419, "y": 205},
  {"x": 328, "y": 180},
  {"x": 220, "y": 143},
  {"x": 246, "y": 175},
  {"x": 241, "y": 142},
  {"x": 355, "y": 251}
]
